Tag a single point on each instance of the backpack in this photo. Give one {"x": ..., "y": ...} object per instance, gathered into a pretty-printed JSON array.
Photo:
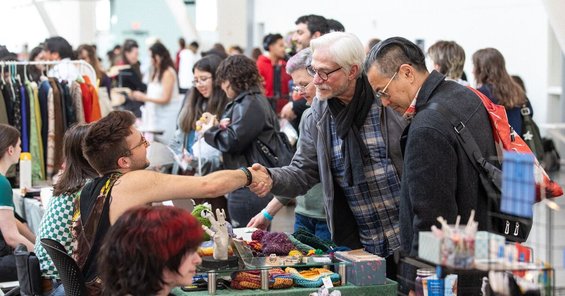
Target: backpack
[
  {"x": 551, "y": 161},
  {"x": 512, "y": 227}
]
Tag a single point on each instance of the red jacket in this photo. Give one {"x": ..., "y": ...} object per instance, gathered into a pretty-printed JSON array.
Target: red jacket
[{"x": 266, "y": 69}]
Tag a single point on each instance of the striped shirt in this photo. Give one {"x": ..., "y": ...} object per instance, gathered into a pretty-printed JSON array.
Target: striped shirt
[{"x": 374, "y": 203}]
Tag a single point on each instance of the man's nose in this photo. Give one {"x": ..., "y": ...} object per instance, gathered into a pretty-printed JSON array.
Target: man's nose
[{"x": 317, "y": 80}]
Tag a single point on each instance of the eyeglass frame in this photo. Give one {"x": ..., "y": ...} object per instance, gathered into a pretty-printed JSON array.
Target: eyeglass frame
[
  {"x": 300, "y": 88},
  {"x": 142, "y": 142},
  {"x": 312, "y": 72},
  {"x": 201, "y": 81},
  {"x": 382, "y": 93}
]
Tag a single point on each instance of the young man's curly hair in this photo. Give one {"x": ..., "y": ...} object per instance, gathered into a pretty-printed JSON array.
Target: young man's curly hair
[
  {"x": 105, "y": 141},
  {"x": 240, "y": 71}
]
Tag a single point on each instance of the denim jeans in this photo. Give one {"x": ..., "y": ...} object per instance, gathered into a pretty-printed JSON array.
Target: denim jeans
[
  {"x": 316, "y": 226},
  {"x": 244, "y": 205}
]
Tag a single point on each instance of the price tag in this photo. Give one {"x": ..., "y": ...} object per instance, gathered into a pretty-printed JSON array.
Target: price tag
[{"x": 327, "y": 282}]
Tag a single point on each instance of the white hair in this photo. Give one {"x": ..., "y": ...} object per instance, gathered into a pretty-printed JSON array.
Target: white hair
[{"x": 346, "y": 49}]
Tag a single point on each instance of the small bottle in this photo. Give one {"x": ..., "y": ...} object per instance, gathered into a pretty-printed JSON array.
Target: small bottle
[
  {"x": 25, "y": 171},
  {"x": 421, "y": 274}
]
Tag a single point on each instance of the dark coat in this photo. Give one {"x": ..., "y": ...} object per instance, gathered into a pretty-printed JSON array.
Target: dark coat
[
  {"x": 439, "y": 179},
  {"x": 251, "y": 118}
]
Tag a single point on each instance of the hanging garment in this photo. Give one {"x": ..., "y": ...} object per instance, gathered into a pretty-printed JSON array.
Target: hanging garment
[
  {"x": 43, "y": 93},
  {"x": 76, "y": 97},
  {"x": 50, "y": 133},
  {"x": 59, "y": 125},
  {"x": 3, "y": 113},
  {"x": 95, "y": 113},
  {"x": 24, "y": 109},
  {"x": 35, "y": 148},
  {"x": 7, "y": 101}
]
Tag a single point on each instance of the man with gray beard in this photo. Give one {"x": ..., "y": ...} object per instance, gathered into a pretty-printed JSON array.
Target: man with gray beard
[{"x": 350, "y": 144}]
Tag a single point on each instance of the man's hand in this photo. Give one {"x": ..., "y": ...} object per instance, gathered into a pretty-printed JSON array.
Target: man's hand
[
  {"x": 262, "y": 182},
  {"x": 287, "y": 113},
  {"x": 259, "y": 221}
]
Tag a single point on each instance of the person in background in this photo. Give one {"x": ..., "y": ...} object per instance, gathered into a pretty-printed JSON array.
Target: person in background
[
  {"x": 335, "y": 26},
  {"x": 87, "y": 53},
  {"x": 272, "y": 69},
  {"x": 256, "y": 53},
  {"x": 186, "y": 57},
  {"x": 162, "y": 100},
  {"x": 130, "y": 76},
  {"x": 36, "y": 71},
  {"x": 448, "y": 58},
  {"x": 58, "y": 49},
  {"x": 235, "y": 49},
  {"x": 13, "y": 232},
  {"x": 309, "y": 212},
  {"x": 182, "y": 45},
  {"x": 205, "y": 96},
  {"x": 57, "y": 220},
  {"x": 248, "y": 118},
  {"x": 164, "y": 257},
  {"x": 309, "y": 27},
  {"x": 489, "y": 69},
  {"x": 371, "y": 43}
]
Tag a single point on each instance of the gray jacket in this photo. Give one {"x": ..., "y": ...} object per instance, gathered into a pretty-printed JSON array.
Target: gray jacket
[{"x": 311, "y": 162}]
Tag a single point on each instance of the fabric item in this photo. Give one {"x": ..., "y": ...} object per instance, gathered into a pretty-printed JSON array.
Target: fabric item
[
  {"x": 86, "y": 101},
  {"x": 278, "y": 279},
  {"x": 311, "y": 165},
  {"x": 95, "y": 112},
  {"x": 59, "y": 128},
  {"x": 64, "y": 70},
  {"x": 91, "y": 222},
  {"x": 244, "y": 205},
  {"x": 50, "y": 160},
  {"x": 76, "y": 97},
  {"x": 315, "y": 226},
  {"x": 302, "y": 247},
  {"x": 251, "y": 119},
  {"x": 348, "y": 120},
  {"x": 374, "y": 205},
  {"x": 312, "y": 278},
  {"x": 35, "y": 143},
  {"x": 25, "y": 118},
  {"x": 439, "y": 179},
  {"x": 43, "y": 94},
  {"x": 411, "y": 111},
  {"x": 67, "y": 101},
  {"x": 17, "y": 105},
  {"x": 310, "y": 239},
  {"x": 162, "y": 117},
  {"x": 56, "y": 224},
  {"x": 3, "y": 112},
  {"x": 311, "y": 204}
]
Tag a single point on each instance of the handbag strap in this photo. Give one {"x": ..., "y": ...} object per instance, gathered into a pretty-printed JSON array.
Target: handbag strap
[{"x": 469, "y": 145}]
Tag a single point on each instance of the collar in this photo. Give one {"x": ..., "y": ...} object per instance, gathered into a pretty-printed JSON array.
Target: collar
[{"x": 411, "y": 111}]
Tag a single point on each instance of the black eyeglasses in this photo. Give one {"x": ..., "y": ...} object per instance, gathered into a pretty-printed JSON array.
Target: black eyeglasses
[{"x": 323, "y": 75}]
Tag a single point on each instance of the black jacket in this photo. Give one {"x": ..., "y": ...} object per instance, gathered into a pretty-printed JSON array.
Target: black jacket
[
  {"x": 251, "y": 118},
  {"x": 439, "y": 179}
]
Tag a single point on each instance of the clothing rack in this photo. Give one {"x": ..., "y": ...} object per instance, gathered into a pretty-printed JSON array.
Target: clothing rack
[{"x": 82, "y": 65}]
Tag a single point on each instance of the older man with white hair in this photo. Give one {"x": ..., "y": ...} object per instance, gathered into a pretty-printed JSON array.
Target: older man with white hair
[{"x": 350, "y": 144}]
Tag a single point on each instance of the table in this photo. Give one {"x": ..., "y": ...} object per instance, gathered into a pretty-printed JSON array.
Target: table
[
  {"x": 29, "y": 208},
  {"x": 349, "y": 290}
]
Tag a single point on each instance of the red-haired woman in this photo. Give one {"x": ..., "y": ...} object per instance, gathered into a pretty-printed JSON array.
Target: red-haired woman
[{"x": 149, "y": 251}]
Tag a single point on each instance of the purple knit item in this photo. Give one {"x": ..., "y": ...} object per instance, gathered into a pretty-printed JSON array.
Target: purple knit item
[
  {"x": 276, "y": 243},
  {"x": 257, "y": 235}
]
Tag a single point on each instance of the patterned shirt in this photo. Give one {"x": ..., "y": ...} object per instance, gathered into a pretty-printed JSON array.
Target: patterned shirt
[
  {"x": 55, "y": 224},
  {"x": 374, "y": 203}
]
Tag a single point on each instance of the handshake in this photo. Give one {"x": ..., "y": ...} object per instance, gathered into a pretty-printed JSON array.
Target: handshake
[{"x": 261, "y": 183}]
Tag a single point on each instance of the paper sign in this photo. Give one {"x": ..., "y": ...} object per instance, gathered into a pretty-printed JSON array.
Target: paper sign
[{"x": 327, "y": 282}]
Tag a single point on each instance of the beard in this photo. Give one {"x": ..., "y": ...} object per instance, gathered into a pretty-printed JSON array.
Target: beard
[{"x": 329, "y": 92}]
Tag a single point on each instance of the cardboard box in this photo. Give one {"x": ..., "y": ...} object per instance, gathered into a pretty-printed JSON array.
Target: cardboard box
[
  {"x": 446, "y": 251},
  {"x": 366, "y": 269},
  {"x": 488, "y": 245}
]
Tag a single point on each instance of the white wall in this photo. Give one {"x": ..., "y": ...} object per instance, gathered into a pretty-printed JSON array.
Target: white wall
[{"x": 518, "y": 28}]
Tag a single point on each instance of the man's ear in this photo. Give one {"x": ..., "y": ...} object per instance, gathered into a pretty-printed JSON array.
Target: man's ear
[
  {"x": 353, "y": 72},
  {"x": 11, "y": 150},
  {"x": 316, "y": 35},
  {"x": 124, "y": 162},
  {"x": 407, "y": 72}
]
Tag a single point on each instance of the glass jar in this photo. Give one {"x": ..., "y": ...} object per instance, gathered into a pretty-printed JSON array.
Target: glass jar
[{"x": 421, "y": 274}]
